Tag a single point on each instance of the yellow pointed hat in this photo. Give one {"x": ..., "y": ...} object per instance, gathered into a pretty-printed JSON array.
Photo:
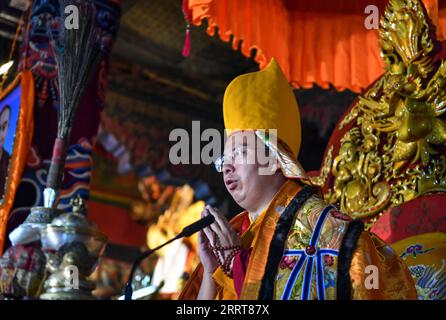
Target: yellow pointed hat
[{"x": 263, "y": 100}]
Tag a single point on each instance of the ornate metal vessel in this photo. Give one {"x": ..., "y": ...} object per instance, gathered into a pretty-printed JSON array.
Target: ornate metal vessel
[
  {"x": 72, "y": 246},
  {"x": 29, "y": 230}
]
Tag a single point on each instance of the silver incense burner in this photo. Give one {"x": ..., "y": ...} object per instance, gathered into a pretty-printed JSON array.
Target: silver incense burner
[{"x": 72, "y": 247}]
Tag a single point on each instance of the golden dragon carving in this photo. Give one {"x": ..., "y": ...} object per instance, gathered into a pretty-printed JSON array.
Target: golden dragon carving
[{"x": 395, "y": 151}]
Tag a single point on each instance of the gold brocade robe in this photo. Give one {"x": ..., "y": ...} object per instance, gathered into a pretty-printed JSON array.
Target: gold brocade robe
[{"x": 300, "y": 250}]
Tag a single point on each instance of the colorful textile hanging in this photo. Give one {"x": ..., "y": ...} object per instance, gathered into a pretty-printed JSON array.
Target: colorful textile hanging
[{"x": 40, "y": 60}]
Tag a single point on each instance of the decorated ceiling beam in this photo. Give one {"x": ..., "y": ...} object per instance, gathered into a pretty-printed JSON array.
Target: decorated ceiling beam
[
  {"x": 10, "y": 18},
  {"x": 177, "y": 100}
]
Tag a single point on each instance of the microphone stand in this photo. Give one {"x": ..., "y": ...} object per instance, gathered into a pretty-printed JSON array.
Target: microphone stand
[
  {"x": 186, "y": 232},
  {"x": 129, "y": 288}
]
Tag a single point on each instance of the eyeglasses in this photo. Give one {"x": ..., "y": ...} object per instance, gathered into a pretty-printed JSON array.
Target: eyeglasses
[{"x": 236, "y": 156}]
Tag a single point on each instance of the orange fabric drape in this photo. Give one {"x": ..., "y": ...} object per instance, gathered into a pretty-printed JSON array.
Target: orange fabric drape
[
  {"x": 22, "y": 143},
  {"x": 318, "y": 41}
]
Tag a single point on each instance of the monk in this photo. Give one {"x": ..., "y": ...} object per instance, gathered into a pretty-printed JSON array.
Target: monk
[{"x": 288, "y": 243}]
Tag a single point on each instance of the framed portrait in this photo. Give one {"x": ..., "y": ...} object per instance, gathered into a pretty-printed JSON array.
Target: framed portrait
[
  {"x": 9, "y": 115},
  {"x": 16, "y": 131}
]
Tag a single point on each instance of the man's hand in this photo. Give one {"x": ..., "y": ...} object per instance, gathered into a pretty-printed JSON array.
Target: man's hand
[
  {"x": 221, "y": 234},
  {"x": 207, "y": 257}
]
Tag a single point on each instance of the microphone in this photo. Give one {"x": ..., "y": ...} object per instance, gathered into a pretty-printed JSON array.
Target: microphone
[
  {"x": 197, "y": 226},
  {"x": 186, "y": 232}
]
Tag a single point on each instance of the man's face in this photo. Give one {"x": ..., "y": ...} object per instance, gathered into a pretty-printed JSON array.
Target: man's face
[
  {"x": 4, "y": 125},
  {"x": 242, "y": 172}
]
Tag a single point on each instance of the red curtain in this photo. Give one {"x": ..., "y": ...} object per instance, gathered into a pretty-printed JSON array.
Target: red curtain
[
  {"x": 115, "y": 222},
  {"x": 317, "y": 41}
]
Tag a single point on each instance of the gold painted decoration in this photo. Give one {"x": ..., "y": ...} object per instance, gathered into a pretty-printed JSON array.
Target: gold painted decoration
[
  {"x": 325, "y": 170},
  {"x": 395, "y": 151},
  {"x": 425, "y": 257},
  {"x": 181, "y": 212},
  {"x": 348, "y": 118}
]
